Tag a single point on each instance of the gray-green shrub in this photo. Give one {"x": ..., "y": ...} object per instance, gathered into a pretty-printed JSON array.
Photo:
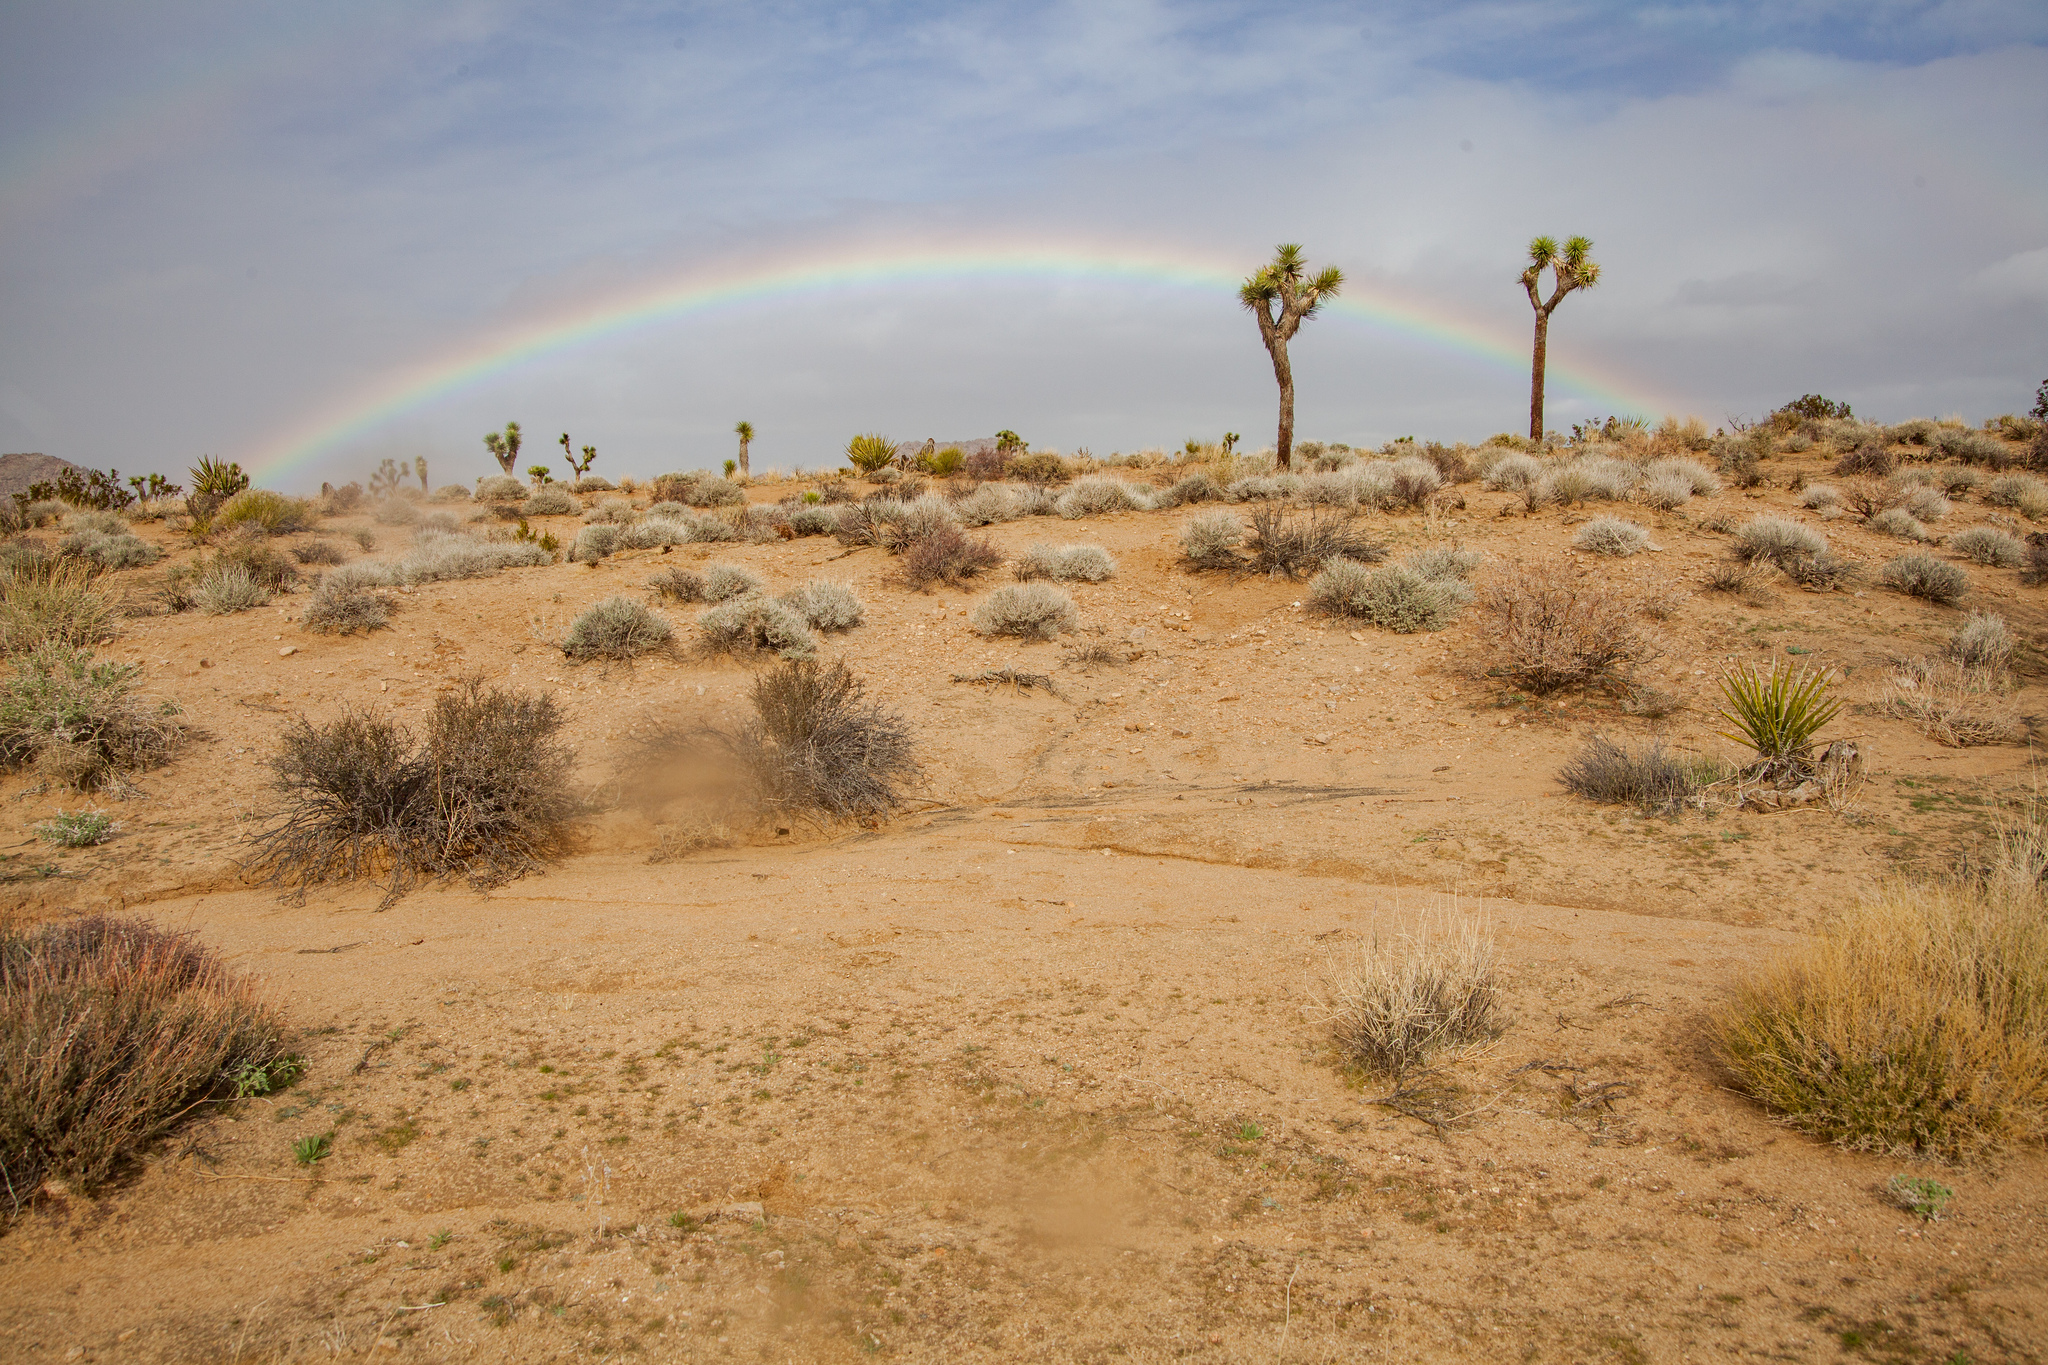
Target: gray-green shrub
[
  {"x": 755, "y": 621},
  {"x": 1988, "y": 545},
  {"x": 1033, "y": 611},
  {"x": 1392, "y": 596},
  {"x": 616, "y": 628},
  {"x": 1918, "y": 574},
  {"x": 1611, "y": 536},
  {"x": 826, "y": 605},
  {"x": 1065, "y": 563}
]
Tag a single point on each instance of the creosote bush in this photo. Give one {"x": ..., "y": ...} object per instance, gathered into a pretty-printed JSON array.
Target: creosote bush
[
  {"x": 111, "y": 1031},
  {"x": 1921, "y": 575},
  {"x": 1552, "y": 629},
  {"x": 1033, "y": 611},
  {"x": 616, "y": 628},
  {"x": 1410, "y": 998},
  {"x": 484, "y": 794},
  {"x": 1651, "y": 778}
]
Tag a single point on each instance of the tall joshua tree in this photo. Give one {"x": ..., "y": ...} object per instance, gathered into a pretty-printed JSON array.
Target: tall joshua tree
[
  {"x": 1572, "y": 268},
  {"x": 1283, "y": 285},
  {"x": 745, "y": 431},
  {"x": 504, "y": 448}
]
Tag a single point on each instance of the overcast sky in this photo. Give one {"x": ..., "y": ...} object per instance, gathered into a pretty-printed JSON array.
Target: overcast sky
[{"x": 238, "y": 228}]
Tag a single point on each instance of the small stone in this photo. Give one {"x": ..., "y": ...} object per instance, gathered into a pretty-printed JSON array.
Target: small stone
[{"x": 287, "y": 651}]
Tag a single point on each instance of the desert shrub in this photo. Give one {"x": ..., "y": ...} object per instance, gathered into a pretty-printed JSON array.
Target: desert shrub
[
  {"x": 1898, "y": 523},
  {"x": 1409, "y": 999},
  {"x": 1551, "y": 629},
  {"x": 272, "y": 570},
  {"x": 111, "y": 1032},
  {"x": 1955, "y": 700},
  {"x": 723, "y": 581},
  {"x": 1819, "y": 497},
  {"x": 78, "y": 721},
  {"x": 867, "y": 522},
  {"x": 449, "y": 492},
  {"x": 1988, "y": 545},
  {"x": 987, "y": 505},
  {"x": 2024, "y": 493},
  {"x": 1820, "y": 573},
  {"x": 1868, "y": 497},
  {"x": 88, "y": 519},
  {"x": 616, "y": 628},
  {"x": 713, "y": 531},
  {"x": 485, "y": 795},
  {"x": 1665, "y": 492},
  {"x": 1095, "y": 497},
  {"x": 261, "y": 509},
  {"x": 946, "y": 554},
  {"x": 1926, "y": 505},
  {"x": 612, "y": 512},
  {"x": 1971, "y": 447},
  {"x": 501, "y": 488},
  {"x": 553, "y": 500},
  {"x": 1443, "y": 561},
  {"x": 826, "y": 606},
  {"x": 1868, "y": 461},
  {"x": 45, "y": 601},
  {"x": 1957, "y": 481},
  {"x": 1033, "y": 611},
  {"x": 678, "y": 585},
  {"x": 817, "y": 521},
  {"x": 1982, "y": 641},
  {"x": 1288, "y": 541},
  {"x": 596, "y": 542},
  {"x": 1918, "y": 574},
  {"x": 911, "y": 519},
  {"x": 103, "y": 551},
  {"x": 1912, "y": 1023},
  {"x": 1611, "y": 536},
  {"x": 1414, "y": 480},
  {"x": 1776, "y": 540},
  {"x": 755, "y": 622},
  {"x": 1210, "y": 541},
  {"x": 1065, "y": 563},
  {"x": 344, "y": 609},
  {"x": 77, "y": 828},
  {"x": 1393, "y": 597},
  {"x": 716, "y": 492},
  {"x": 317, "y": 552},
  {"x": 1040, "y": 467},
  {"x": 225, "y": 588},
  {"x": 594, "y": 483},
  {"x": 1514, "y": 473},
  {"x": 444, "y": 558},
  {"x": 657, "y": 533},
  {"x": 1200, "y": 486},
  {"x": 1651, "y": 778},
  {"x": 394, "y": 512},
  {"x": 819, "y": 743},
  {"x": 1265, "y": 488}
]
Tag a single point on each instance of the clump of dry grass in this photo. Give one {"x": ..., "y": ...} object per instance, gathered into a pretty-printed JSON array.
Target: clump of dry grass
[
  {"x": 1954, "y": 703},
  {"x": 1552, "y": 629},
  {"x": 484, "y": 794},
  {"x": 1651, "y": 778},
  {"x": 52, "y": 601},
  {"x": 1916, "y": 1022},
  {"x": 1288, "y": 542},
  {"x": 78, "y": 722},
  {"x": 1409, "y": 998},
  {"x": 111, "y": 1031}
]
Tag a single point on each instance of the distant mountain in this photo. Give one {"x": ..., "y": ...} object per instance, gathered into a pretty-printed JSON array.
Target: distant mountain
[
  {"x": 17, "y": 472},
  {"x": 974, "y": 445}
]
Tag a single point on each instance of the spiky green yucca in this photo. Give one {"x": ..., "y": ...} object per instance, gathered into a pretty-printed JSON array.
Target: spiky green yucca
[
  {"x": 1778, "y": 713},
  {"x": 869, "y": 451}
]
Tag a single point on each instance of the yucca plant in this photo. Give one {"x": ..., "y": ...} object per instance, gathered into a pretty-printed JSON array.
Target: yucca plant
[
  {"x": 869, "y": 451},
  {"x": 1778, "y": 713}
]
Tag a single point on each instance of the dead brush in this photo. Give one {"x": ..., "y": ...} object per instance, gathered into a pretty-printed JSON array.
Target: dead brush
[
  {"x": 111, "y": 1031},
  {"x": 1009, "y": 677},
  {"x": 484, "y": 794},
  {"x": 1411, "y": 997},
  {"x": 1954, "y": 702},
  {"x": 1288, "y": 542},
  {"x": 946, "y": 554},
  {"x": 1553, "y": 629},
  {"x": 1098, "y": 654}
]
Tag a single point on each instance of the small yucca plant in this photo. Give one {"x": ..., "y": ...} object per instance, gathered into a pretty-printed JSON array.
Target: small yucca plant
[{"x": 1777, "y": 713}]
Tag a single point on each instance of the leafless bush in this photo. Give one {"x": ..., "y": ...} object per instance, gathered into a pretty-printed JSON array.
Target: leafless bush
[
  {"x": 484, "y": 795},
  {"x": 1552, "y": 629},
  {"x": 1410, "y": 998},
  {"x": 1652, "y": 778},
  {"x": 946, "y": 554},
  {"x": 341, "y": 608},
  {"x": 111, "y": 1031},
  {"x": 1289, "y": 541},
  {"x": 818, "y": 742}
]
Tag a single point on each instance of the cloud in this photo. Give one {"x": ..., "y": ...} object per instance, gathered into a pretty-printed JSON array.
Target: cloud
[{"x": 2022, "y": 275}]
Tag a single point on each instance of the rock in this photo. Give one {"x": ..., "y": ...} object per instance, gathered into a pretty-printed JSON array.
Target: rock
[
  {"x": 287, "y": 651},
  {"x": 1770, "y": 799},
  {"x": 743, "y": 1213}
]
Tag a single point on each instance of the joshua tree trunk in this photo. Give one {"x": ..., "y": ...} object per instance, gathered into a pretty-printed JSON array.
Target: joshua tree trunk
[
  {"x": 746, "y": 470},
  {"x": 1283, "y": 445},
  {"x": 1542, "y": 354}
]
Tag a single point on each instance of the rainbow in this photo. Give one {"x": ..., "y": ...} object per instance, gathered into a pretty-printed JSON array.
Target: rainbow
[{"x": 706, "y": 290}]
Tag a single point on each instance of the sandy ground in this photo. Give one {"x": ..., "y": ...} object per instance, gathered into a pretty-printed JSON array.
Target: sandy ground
[{"x": 1032, "y": 1072}]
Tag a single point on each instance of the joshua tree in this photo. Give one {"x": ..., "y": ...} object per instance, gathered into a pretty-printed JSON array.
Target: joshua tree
[
  {"x": 538, "y": 473},
  {"x": 1572, "y": 268},
  {"x": 419, "y": 467},
  {"x": 1284, "y": 282},
  {"x": 745, "y": 431},
  {"x": 1230, "y": 440},
  {"x": 504, "y": 448}
]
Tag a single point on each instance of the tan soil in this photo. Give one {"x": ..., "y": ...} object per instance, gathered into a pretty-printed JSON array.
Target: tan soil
[{"x": 1027, "y": 1074}]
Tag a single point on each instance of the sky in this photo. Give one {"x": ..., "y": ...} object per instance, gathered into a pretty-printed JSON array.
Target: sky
[{"x": 310, "y": 237}]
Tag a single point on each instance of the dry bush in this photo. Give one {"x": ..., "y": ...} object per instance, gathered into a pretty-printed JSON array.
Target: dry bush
[
  {"x": 108, "y": 551},
  {"x": 2024, "y": 493},
  {"x": 318, "y": 552},
  {"x": 1096, "y": 497},
  {"x": 2035, "y": 570},
  {"x": 1034, "y": 611},
  {"x": 271, "y": 513},
  {"x": 1897, "y": 523},
  {"x": 342, "y": 608},
  {"x": 1552, "y": 629},
  {"x": 1777, "y": 540},
  {"x": 1410, "y": 998},
  {"x": 485, "y": 795},
  {"x": 553, "y": 500},
  {"x": 1955, "y": 702},
  {"x": 223, "y": 589},
  {"x": 722, "y": 582},
  {"x": 819, "y": 743},
  {"x": 716, "y": 492},
  {"x": 826, "y": 605},
  {"x": 1866, "y": 461},
  {"x": 1200, "y": 486},
  {"x": 1915, "y": 1023},
  {"x": 1982, "y": 641},
  {"x": 1988, "y": 545},
  {"x": 678, "y": 585},
  {"x": 1611, "y": 536},
  {"x": 1065, "y": 563},
  {"x": 1445, "y": 562},
  {"x": 1514, "y": 473},
  {"x": 52, "y": 602},
  {"x": 594, "y": 543},
  {"x": 111, "y": 1031},
  {"x": 1392, "y": 596},
  {"x": 78, "y": 721},
  {"x": 1651, "y": 778},
  {"x": 1866, "y": 498},
  {"x": 610, "y": 512},
  {"x": 1820, "y": 497},
  {"x": 616, "y": 628},
  {"x": 1921, "y": 575},
  {"x": 818, "y": 521},
  {"x": 756, "y": 622},
  {"x": 1288, "y": 541},
  {"x": 1822, "y": 572},
  {"x": 946, "y": 554},
  {"x": 1210, "y": 540}
]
